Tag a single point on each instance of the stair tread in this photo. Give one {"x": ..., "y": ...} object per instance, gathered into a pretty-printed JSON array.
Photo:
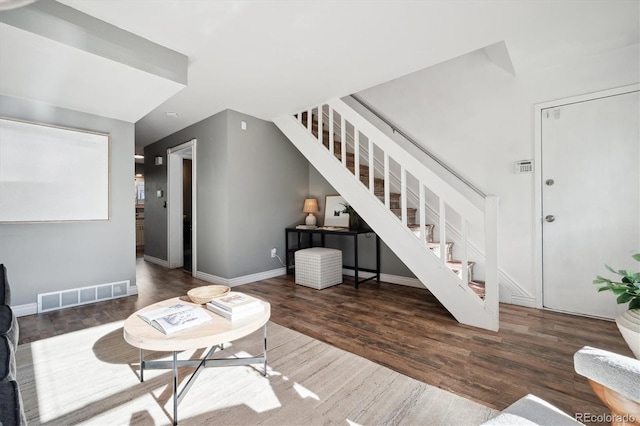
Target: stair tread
[
  {"x": 416, "y": 226},
  {"x": 455, "y": 262},
  {"x": 435, "y": 244},
  {"x": 478, "y": 287},
  {"x": 408, "y": 209}
]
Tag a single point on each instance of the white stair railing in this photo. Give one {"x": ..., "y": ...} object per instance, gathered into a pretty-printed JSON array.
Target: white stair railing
[{"x": 383, "y": 157}]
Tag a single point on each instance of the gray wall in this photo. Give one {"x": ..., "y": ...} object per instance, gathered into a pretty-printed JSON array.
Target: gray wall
[
  {"x": 211, "y": 134},
  {"x": 251, "y": 185},
  {"x": 44, "y": 257},
  {"x": 268, "y": 182}
]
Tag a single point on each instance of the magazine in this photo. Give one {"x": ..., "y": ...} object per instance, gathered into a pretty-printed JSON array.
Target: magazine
[
  {"x": 235, "y": 302},
  {"x": 254, "y": 309},
  {"x": 175, "y": 318}
]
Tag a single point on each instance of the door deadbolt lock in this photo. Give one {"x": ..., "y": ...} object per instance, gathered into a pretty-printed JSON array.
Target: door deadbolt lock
[
  {"x": 550, "y": 218},
  {"x": 549, "y": 182}
]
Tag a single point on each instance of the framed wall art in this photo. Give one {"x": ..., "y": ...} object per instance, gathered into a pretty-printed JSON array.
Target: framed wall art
[{"x": 333, "y": 215}]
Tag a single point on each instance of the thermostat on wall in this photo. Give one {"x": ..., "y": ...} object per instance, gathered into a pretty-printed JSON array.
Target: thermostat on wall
[{"x": 523, "y": 166}]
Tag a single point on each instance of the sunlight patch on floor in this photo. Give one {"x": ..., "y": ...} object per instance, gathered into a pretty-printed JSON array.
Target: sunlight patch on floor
[
  {"x": 66, "y": 379},
  {"x": 304, "y": 392},
  {"x": 95, "y": 369}
]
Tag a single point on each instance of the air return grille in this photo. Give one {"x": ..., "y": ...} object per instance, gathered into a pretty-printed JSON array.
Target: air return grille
[{"x": 81, "y": 296}]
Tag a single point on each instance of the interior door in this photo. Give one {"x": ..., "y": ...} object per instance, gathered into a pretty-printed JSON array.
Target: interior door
[{"x": 590, "y": 200}]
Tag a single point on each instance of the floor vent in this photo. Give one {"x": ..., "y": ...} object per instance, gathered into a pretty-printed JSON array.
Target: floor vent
[{"x": 81, "y": 296}]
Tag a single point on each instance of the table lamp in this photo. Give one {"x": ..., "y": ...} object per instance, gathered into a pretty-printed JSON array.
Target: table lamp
[{"x": 311, "y": 207}]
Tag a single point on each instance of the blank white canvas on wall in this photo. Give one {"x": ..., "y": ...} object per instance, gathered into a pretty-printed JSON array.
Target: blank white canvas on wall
[{"x": 52, "y": 174}]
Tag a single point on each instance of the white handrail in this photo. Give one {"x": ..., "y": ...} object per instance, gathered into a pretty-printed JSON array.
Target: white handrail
[{"x": 437, "y": 185}]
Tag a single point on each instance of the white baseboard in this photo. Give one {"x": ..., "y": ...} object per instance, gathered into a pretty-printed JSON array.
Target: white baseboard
[
  {"x": 24, "y": 310},
  {"x": 245, "y": 279},
  {"x": 132, "y": 290},
  {"x": 529, "y": 302},
  {"x": 513, "y": 299},
  {"x": 155, "y": 260}
]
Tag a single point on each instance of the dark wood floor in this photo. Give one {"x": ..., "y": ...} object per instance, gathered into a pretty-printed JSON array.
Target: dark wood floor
[{"x": 403, "y": 328}]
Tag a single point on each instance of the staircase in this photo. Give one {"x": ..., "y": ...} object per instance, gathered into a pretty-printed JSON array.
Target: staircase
[
  {"x": 394, "y": 204},
  {"x": 387, "y": 179}
]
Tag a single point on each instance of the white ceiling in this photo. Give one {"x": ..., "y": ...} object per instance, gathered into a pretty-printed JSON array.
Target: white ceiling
[
  {"x": 36, "y": 67},
  {"x": 266, "y": 58}
]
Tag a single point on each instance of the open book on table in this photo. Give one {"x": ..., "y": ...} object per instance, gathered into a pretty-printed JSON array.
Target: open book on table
[{"x": 175, "y": 318}]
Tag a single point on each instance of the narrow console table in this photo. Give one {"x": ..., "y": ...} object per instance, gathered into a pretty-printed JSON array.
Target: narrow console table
[{"x": 300, "y": 244}]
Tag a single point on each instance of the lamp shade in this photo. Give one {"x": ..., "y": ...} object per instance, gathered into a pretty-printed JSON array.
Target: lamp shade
[{"x": 310, "y": 206}]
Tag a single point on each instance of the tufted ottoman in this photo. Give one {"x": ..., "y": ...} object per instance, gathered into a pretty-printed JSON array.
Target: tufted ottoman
[{"x": 318, "y": 267}]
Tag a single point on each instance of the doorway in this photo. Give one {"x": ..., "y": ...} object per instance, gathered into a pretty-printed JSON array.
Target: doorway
[
  {"x": 181, "y": 206},
  {"x": 590, "y": 198},
  {"x": 187, "y": 202}
]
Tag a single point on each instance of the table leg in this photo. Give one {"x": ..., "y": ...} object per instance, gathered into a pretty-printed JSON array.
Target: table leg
[
  {"x": 377, "y": 257},
  {"x": 141, "y": 366},
  {"x": 265, "y": 350},
  {"x": 355, "y": 258},
  {"x": 175, "y": 388},
  {"x": 286, "y": 250}
]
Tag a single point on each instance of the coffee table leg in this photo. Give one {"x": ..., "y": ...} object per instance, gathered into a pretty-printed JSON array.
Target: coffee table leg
[
  {"x": 265, "y": 350},
  {"x": 141, "y": 366},
  {"x": 175, "y": 388}
]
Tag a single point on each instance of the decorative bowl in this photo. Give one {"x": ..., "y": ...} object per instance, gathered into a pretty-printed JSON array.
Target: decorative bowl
[{"x": 204, "y": 294}]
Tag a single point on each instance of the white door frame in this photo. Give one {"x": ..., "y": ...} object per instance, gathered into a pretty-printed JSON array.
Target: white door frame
[
  {"x": 175, "y": 242},
  {"x": 538, "y": 214}
]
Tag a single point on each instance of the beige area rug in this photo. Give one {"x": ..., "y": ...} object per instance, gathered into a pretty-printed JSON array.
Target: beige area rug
[{"x": 91, "y": 377}]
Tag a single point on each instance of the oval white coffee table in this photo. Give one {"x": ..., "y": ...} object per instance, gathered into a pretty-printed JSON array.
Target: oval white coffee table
[{"x": 212, "y": 334}]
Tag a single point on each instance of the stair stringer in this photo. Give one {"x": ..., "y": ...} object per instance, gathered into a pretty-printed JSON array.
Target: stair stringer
[{"x": 454, "y": 295}]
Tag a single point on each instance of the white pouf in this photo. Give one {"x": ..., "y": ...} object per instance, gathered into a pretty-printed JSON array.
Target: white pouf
[{"x": 318, "y": 267}]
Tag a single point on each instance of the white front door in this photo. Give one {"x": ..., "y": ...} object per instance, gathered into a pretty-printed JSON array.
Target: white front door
[{"x": 590, "y": 200}]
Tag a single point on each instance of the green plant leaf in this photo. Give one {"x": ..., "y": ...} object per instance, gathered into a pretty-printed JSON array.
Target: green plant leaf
[
  {"x": 627, "y": 289},
  {"x": 624, "y": 298}
]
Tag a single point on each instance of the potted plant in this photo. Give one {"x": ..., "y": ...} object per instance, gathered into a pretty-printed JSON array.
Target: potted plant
[
  {"x": 628, "y": 291},
  {"x": 355, "y": 221}
]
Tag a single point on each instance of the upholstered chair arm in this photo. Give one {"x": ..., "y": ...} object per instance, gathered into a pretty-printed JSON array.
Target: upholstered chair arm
[
  {"x": 617, "y": 372},
  {"x": 615, "y": 379}
]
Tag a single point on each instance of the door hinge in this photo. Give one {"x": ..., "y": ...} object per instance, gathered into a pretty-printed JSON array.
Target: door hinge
[{"x": 555, "y": 113}]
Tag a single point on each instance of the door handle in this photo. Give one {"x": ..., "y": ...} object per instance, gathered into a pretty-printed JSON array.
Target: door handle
[{"x": 549, "y": 218}]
